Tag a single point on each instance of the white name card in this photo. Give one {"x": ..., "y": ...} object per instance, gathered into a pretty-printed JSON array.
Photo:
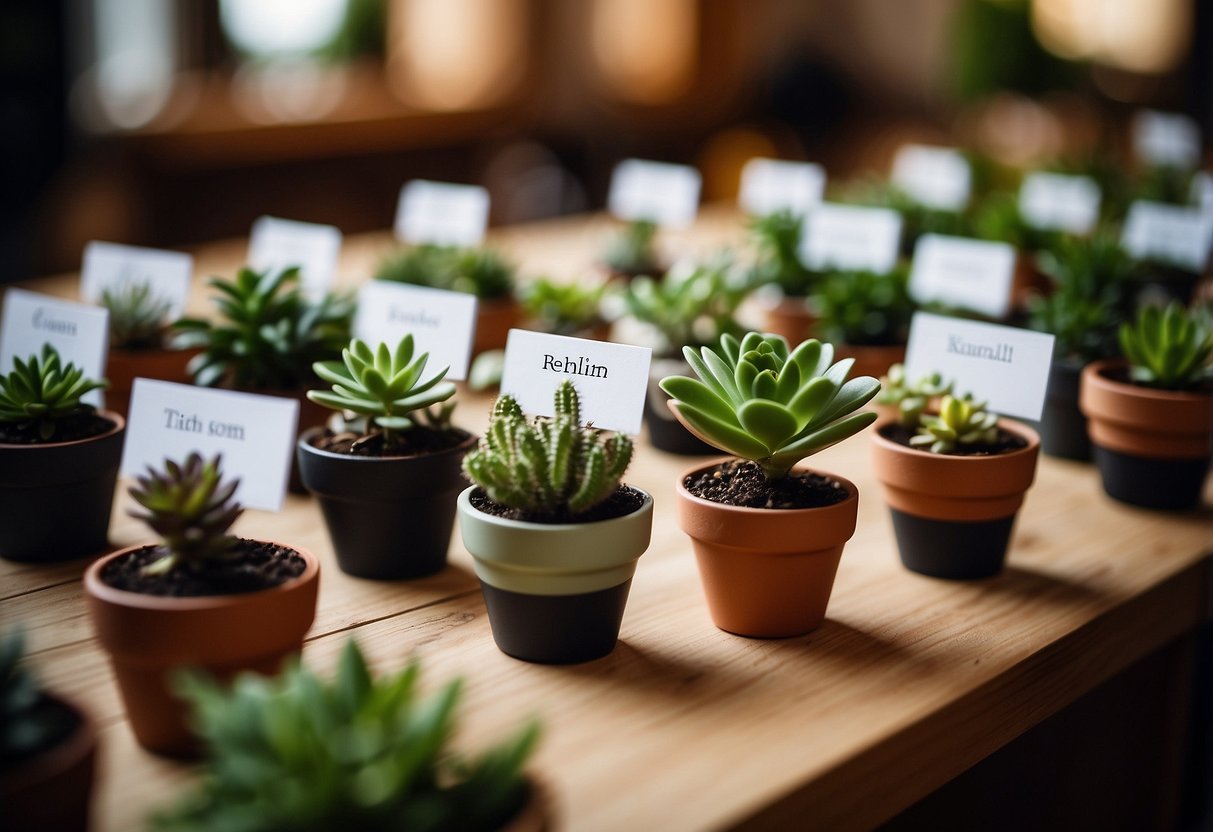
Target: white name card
[
  {"x": 1173, "y": 234},
  {"x": 937, "y": 177},
  {"x": 964, "y": 273},
  {"x": 611, "y": 379},
  {"x": 442, "y": 213},
  {"x": 255, "y": 434},
  {"x": 78, "y": 331},
  {"x": 851, "y": 237},
  {"x": 1166, "y": 139},
  {"x": 1004, "y": 366},
  {"x": 1055, "y": 201},
  {"x": 112, "y": 267},
  {"x": 770, "y": 185},
  {"x": 278, "y": 244},
  {"x": 442, "y": 323},
  {"x": 665, "y": 194}
]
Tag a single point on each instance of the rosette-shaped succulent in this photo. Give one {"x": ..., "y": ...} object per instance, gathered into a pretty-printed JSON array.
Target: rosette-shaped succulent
[
  {"x": 910, "y": 399},
  {"x": 961, "y": 421},
  {"x": 40, "y": 391},
  {"x": 1168, "y": 349}
]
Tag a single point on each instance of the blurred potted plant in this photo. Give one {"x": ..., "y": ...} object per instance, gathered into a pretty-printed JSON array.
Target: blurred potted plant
[
  {"x": 776, "y": 240},
  {"x": 904, "y": 401},
  {"x": 572, "y": 308},
  {"x": 867, "y": 316},
  {"x": 632, "y": 251},
  {"x": 997, "y": 219},
  {"x": 139, "y": 343},
  {"x": 554, "y": 535},
  {"x": 768, "y": 540}
]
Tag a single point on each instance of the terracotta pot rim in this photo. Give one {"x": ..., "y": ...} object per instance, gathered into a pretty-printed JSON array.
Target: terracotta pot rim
[
  {"x": 304, "y": 443},
  {"x": 1096, "y": 373},
  {"x": 56, "y": 758},
  {"x": 596, "y": 525},
  {"x": 800, "y": 467},
  {"x": 1010, "y": 425},
  {"x": 113, "y": 416}
]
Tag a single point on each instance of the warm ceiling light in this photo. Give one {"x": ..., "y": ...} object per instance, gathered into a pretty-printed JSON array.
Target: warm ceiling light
[
  {"x": 645, "y": 50},
  {"x": 1146, "y": 36}
]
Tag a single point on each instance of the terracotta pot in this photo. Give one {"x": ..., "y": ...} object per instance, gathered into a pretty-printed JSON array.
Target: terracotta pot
[
  {"x": 953, "y": 515},
  {"x": 124, "y": 366},
  {"x": 767, "y": 573},
  {"x": 494, "y": 320},
  {"x": 1152, "y": 447},
  {"x": 148, "y": 637},
  {"x": 52, "y": 789},
  {"x": 792, "y": 318},
  {"x": 872, "y": 361},
  {"x": 41, "y": 486}
]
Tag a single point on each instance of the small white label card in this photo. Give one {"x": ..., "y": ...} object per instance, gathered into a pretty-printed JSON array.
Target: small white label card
[
  {"x": 255, "y": 434},
  {"x": 937, "y": 177},
  {"x": 110, "y": 266},
  {"x": 442, "y": 213},
  {"x": 851, "y": 237},
  {"x": 442, "y": 323},
  {"x": 78, "y": 331},
  {"x": 963, "y": 273},
  {"x": 1173, "y": 234},
  {"x": 1202, "y": 191},
  {"x": 1059, "y": 202},
  {"x": 611, "y": 379},
  {"x": 770, "y": 185},
  {"x": 1004, "y": 366},
  {"x": 1166, "y": 139},
  {"x": 665, "y": 194},
  {"x": 278, "y": 244}
]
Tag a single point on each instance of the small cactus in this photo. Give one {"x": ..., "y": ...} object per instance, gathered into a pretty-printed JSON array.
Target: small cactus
[
  {"x": 40, "y": 391},
  {"x": 961, "y": 421}
]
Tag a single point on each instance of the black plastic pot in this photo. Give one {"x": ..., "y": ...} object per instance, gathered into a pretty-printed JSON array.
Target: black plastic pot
[
  {"x": 556, "y": 629},
  {"x": 665, "y": 432},
  {"x": 1152, "y": 483},
  {"x": 1062, "y": 427},
  {"x": 55, "y": 499},
  {"x": 389, "y": 518},
  {"x": 1162, "y": 284},
  {"x": 952, "y": 549}
]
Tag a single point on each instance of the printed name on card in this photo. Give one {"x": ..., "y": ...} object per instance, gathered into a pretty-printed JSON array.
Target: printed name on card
[
  {"x": 851, "y": 237},
  {"x": 78, "y": 331},
  {"x": 1055, "y": 201},
  {"x": 937, "y": 177},
  {"x": 1166, "y": 139},
  {"x": 277, "y": 244},
  {"x": 113, "y": 267},
  {"x": 1164, "y": 233},
  {"x": 442, "y": 323},
  {"x": 611, "y": 379},
  {"x": 1004, "y": 366},
  {"x": 442, "y": 213},
  {"x": 665, "y": 194},
  {"x": 963, "y": 273},
  {"x": 255, "y": 434},
  {"x": 770, "y": 185}
]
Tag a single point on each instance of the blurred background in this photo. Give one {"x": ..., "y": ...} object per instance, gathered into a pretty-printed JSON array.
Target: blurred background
[{"x": 173, "y": 122}]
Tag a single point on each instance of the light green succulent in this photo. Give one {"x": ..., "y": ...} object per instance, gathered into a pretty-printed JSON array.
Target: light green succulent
[
  {"x": 910, "y": 399},
  {"x": 563, "y": 308},
  {"x": 961, "y": 421},
  {"x": 1168, "y": 348},
  {"x": 39, "y": 392},
  {"x": 761, "y": 402}
]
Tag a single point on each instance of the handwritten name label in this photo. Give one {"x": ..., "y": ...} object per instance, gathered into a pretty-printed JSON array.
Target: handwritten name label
[
  {"x": 442, "y": 323},
  {"x": 963, "y": 273},
  {"x": 770, "y": 185},
  {"x": 109, "y": 266},
  {"x": 1061, "y": 202},
  {"x": 851, "y": 237},
  {"x": 610, "y": 378},
  {"x": 78, "y": 331},
  {"x": 280, "y": 244},
  {"x": 937, "y": 177},
  {"x": 255, "y": 434},
  {"x": 442, "y": 213},
  {"x": 1164, "y": 233},
  {"x": 662, "y": 193},
  {"x": 1166, "y": 139},
  {"x": 1006, "y": 367}
]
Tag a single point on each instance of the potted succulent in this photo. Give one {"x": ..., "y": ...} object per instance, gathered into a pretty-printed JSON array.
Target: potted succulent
[
  {"x": 571, "y": 308},
  {"x": 199, "y": 597},
  {"x": 476, "y": 271},
  {"x": 386, "y": 483},
  {"x": 139, "y": 342},
  {"x": 360, "y": 752},
  {"x": 768, "y": 539},
  {"x": 954, "y": 483},
  {"x": 866, "y": 316},
  {"x": 776, "y": 240},
  {"x": 55, "y": 452},
  {"x": 631, "y": 252},
  {"x": 48, "y": 749},
  {"x": 904, "y": 401},
  {"x": 1151, "y": 418},
  {"x": 554, "y": 535}
]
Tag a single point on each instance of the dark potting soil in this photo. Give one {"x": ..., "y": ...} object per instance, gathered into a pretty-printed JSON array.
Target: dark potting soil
[
  {"x": 68, "y": 429},
  {"x": 259, "y": 565},
  {"x": 742, "y": 483},
  {"x": 1007, "y": 442},
  {"x": 1121, "y": 374},
  {"x": 50, "y": 721},
  {"x": 625, "y": 500},
  {"x": 415, "y": 442}
]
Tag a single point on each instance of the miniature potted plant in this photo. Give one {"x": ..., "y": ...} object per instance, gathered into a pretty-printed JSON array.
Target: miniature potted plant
[
  {"x": 199, "y": 597},
  {"x": 47, "y": 751},
  {"x": 768, "y": 539},
  {"x": 56, "y": 453},
  {"x": 360, "y": 752},
  {"x": 776, "y": 238},
  {"x": 387, "y": 483},
  {"x": 632, "y": 253},
  {"x": 554, "y": 535},
  {"x": 1151, "y": 418},
  {"x": 954, "y": 483},
  {"x": 571, "y": 308},
  {"x": 139, "y": 343},
  {"x": 904, "y": 401},
  {"x": 866, "y": 316}
]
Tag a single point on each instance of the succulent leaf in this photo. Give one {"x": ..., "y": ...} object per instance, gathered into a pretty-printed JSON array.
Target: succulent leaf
[
  {"x": 1168, "y": 348},
  {"x": 961, "y": 421},
  {"x": 40, "y": 391}
]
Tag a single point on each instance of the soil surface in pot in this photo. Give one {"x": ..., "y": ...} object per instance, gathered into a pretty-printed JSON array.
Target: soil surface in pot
[
  {"x": 51, "y": 719},
  {"x": 416, "y": 442},
  {"x": 1121, "y": 374},
  {"x": 625, "y": 500},
  {"x": 258, "y": 565},
  {"x": 1006, "y": 443},
  {"x": 742, "y": 483},
  {"x": 67, "y": 429}
]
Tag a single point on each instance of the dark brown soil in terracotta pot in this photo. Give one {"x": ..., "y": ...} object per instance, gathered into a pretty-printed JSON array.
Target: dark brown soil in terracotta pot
[
  {"x": 792, "y": 318},
  {"x": 51, "y": 790},
  {"x": 494, "y": 320},
  {"x": 124, "y": 366}
]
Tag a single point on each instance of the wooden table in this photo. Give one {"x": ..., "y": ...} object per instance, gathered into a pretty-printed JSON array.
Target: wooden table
[{"x": 910, "y": 681}]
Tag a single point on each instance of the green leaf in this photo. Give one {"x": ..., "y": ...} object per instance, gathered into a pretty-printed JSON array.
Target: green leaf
[{"x": 769, "y": 422}]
